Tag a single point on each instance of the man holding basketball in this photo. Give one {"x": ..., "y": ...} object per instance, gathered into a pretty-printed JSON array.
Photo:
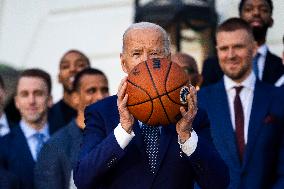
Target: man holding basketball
[{"x": 114, "y": 154}]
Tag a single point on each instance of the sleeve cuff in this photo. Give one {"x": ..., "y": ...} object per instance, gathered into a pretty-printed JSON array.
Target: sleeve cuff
[
  {"x": 122, "y": 137},
  {"x": 189, "y": 146}
]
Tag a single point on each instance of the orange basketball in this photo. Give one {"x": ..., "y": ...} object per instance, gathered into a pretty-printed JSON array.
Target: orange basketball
[{"x": 157, "y": 88}]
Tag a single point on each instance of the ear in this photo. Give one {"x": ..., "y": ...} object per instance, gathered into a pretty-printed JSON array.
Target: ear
[
  {"x": 123, "y": 63},
  {"x": 50, "y": 101},
  {"x": 59, "y": 78},
  {"x": 75, "y": 99},
  {"x": 16, "y": 102}
]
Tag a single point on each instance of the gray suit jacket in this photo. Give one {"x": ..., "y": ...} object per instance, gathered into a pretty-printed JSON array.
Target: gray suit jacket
[{"x": 57, "y": 158}]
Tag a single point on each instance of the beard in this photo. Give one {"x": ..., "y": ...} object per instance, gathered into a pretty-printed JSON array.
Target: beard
[{"x": 259, "y": 33}]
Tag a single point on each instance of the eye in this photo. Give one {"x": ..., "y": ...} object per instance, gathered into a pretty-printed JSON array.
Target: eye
[
  {"x": 92, "y": 90},
  {"x": 64, "y": 66}
]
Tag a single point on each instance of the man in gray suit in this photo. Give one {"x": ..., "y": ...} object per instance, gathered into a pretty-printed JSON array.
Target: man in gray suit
[{"x": 59, "y": 155}]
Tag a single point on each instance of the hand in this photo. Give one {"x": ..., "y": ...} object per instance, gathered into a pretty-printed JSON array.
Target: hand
[
  {"x": 184, "y": 125},
  {"x": 126, "y": 119}
]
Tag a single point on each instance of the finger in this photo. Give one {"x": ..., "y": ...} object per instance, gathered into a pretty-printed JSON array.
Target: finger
[
  {"x": 122, "y": 90},
  {"x": 124, "y": 101},
  {"x": 182, "y": 111}
]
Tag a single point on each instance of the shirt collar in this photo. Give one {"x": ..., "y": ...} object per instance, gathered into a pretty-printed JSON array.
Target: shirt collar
[
  {"x": 3, "y": 119},
  {"x": 29, "y": 131},
  {"x": 262, "y": 50},
  {"x": 247, "y": 83}
]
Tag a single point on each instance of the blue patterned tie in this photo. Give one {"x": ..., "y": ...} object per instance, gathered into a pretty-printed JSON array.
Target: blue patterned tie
[
  {"x": 40, "y": 141},
  {"x": 151, "y": 141},
  {"x": 255, "y": 65}
]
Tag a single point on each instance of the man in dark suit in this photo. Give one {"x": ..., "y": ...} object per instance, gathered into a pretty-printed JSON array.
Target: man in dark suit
[
  {"x": 19, "y": 149},
  {"x": 280, "y": 81},
  {"x": 60, "y": 154},
  {"x": 114, "y": 154},
  {"x": 246, "y": 115},
  {"x": 5, "y": 124},
  {"x": 267, "y": 66},
  {"x": 72, "y": 62}
]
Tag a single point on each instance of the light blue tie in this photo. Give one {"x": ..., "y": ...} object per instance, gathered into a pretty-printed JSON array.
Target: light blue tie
[
  {"x": 40, "y": 141},
  {"x": 151, "y": 140},
  {"x": 255, "y": 65}
]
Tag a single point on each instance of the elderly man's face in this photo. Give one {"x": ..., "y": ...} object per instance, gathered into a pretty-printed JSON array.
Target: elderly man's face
[{"x": 140, "y": 45}]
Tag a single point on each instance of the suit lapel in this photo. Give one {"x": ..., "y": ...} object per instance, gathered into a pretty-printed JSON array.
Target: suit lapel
[
  {"x": 223, "y": 125},
  {"x": 21, "y": 148},
  {"x": 258, "y": 111}
]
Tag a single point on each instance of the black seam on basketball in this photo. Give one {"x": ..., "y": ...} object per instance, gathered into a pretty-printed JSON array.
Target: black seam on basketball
[
  {"x": 151, "y": 100},
  {"x": 157, "y": 96},
  {"x": 158, "y": 93},
  {"x": 174, "y": 90}
]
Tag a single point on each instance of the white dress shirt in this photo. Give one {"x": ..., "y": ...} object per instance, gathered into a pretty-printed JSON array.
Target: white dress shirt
[
  {"x": 280, "y": 81},
  {"x": 246, "y": 96},
  {"x": 123, "y": 138},
  {"x": 262, "y": 50},
  {"x": 29, "y": 134},
  {"x": 4, "y": 129}
]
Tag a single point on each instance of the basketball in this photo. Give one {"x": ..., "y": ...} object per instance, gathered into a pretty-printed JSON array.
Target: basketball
[{"x": 157, "y": 88}]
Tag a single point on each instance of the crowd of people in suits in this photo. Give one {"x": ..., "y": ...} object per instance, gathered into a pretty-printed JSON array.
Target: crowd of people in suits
[{"x": 231, "y": 135}]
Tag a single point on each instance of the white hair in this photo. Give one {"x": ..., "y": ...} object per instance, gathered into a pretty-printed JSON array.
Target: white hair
[{"x": 149, "y": 25}]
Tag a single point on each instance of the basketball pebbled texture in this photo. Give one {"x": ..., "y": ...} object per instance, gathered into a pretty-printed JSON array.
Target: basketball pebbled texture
[{"x": 154, "y": 89}]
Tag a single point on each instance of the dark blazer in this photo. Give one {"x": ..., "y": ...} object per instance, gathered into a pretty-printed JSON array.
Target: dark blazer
[
  {"x": 8, "y": 180},
  {"x": 58, "y": 157},
  {"x": 263, "y": 162},
  {"x": 60, "y": 114},
  {"x": 103, "y": 164},
  {"x": 16, "y": 157},
  {"x": 273, "y": 70}
]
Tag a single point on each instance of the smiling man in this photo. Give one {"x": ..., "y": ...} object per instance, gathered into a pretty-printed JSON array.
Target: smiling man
[
  {"x": 20, "y": 148},
  {"x": 266, "y": 65},
  {"x": 246, "y": 115}
]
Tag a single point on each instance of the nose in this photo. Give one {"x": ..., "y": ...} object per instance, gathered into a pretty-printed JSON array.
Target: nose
[
  {"x": 256, "y": 11},
  {"x": 231, "y": 53},
  {"x": 31, "y": 99},
  {"x": 72, "y": 69}
]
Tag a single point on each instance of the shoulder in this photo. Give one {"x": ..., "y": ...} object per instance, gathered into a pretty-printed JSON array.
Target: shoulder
[
  {"x": 103, "y": 105},
  {"x": 61, "y": 137},
  {"x": 272, "y": 57}
]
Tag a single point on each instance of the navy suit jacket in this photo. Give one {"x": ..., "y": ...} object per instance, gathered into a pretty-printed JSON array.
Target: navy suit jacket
[
  {"x": 263, "y": 162},
  {"x": 273, "y": 70},
  {"x": 16, "y": 157},
  {"x": 103, "y": 164},
  {"x": 58, "y": 157}
]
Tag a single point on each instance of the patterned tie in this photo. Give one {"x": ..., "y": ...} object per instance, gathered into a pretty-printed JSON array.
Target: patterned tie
[
  {"x": 239, "y": 122},
  {"x": 151, "y": 140},
  {"x": 255, "y": 65},
  {"x": 40, "y": 141}
]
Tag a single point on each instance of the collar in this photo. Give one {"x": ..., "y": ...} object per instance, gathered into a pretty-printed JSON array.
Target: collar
[
  {"x": 248, "y": 83},
  {"x": 262, "y": 50},
  {"x": 29, "y": 131},
  {"x": 3, "y": 119}
]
